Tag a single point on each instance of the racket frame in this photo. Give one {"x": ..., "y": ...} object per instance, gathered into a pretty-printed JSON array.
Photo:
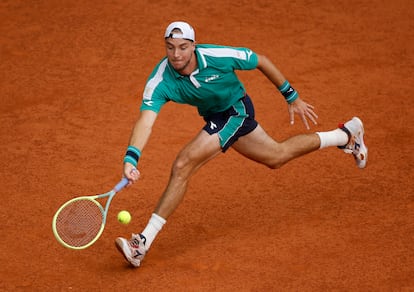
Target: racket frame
[{"x": 104, "y": 212}]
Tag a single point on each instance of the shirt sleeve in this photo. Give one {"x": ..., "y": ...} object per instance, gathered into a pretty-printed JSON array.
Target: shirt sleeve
[
  {"x": 229, "y": 57},
  {"x": 245, "y": 59},
  {"x": 154, "y": 96}
]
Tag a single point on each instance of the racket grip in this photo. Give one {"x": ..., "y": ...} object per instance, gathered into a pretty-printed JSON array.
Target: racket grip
[{"x": 121, "y": 184}]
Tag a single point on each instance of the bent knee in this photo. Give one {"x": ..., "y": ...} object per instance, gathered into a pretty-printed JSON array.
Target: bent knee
[
  {"x": 183, "y": 166},
  {"x": 274, "y": 163},
  {"x": 180, "y": 164}
]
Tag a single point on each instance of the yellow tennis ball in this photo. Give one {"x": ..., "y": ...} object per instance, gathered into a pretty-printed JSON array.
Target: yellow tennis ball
[{"x": 124, "y": 217}]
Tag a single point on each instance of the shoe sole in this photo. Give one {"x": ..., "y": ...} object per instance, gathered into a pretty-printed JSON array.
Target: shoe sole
[
  {"x": 120, "y": 245},
  {"x": 363, "y": 149}
]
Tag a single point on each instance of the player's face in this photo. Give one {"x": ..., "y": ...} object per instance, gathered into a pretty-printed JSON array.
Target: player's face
[{"x": 180, "y": 55}]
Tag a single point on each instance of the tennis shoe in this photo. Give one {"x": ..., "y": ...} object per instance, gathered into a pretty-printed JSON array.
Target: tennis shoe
[
  {"x": 133, "y": 250},
  {"x": 355, "y": 146}
]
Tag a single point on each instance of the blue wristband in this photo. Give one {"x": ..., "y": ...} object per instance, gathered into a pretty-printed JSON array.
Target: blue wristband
[
  {"x": 132, "y": 155},
  {"x": 288, "y": 92}
]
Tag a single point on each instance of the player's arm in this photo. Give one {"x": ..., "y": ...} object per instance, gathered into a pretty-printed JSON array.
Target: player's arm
[
  {"x": 270, "y": 71},
  {"x": 142, "y": 129},
  {"x": 295, "y": 104},
  {"x": 139, "y": 138}
]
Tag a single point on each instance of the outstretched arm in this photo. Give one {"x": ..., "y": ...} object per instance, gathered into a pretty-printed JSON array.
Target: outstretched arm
[
  {"x": 139, "y": 138},
  {"x": 298, "y": 106}
]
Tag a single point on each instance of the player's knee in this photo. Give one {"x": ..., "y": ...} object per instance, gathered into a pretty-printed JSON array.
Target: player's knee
[
  {"x": 274, "y": 163},
  {"x": 181, "y": 167}
]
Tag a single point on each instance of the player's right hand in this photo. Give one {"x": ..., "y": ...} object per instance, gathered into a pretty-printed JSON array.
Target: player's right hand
[{"x": 131, "y": 173}]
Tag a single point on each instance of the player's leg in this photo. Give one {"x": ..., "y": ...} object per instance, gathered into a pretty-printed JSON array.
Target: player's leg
[
  {"x": 260, "y": 147},
  {"x": 199, "y": 151}
]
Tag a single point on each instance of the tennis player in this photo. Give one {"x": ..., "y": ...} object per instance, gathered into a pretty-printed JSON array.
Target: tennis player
[{"x": 204, "y": 76}]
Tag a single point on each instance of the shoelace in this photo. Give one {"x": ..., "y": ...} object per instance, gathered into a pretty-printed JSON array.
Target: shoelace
[{"x": 136, "y": 240}]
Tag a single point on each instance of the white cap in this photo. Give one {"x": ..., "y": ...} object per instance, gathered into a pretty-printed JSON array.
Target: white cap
[{"x": 186, "y": 29}]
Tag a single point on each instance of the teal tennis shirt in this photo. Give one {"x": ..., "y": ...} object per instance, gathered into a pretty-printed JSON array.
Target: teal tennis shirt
[{"x": 213, "y": 87}]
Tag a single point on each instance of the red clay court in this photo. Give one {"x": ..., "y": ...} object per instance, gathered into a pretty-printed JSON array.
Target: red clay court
[{"x": 72, "y": 75}]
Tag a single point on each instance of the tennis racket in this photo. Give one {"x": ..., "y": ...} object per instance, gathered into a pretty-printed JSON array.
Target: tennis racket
[{"x": 79, "y": 222}]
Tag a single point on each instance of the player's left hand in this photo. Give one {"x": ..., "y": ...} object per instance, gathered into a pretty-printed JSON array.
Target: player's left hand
[{"x": 304, "y": 110}]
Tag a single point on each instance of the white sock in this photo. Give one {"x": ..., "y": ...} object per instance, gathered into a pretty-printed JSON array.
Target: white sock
[
  {"x": 335, "y": 137},
  {"x": 154, "y": 225}
]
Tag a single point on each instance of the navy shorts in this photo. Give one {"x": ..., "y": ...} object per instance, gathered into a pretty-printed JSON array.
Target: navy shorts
[{"x": 233, "y": 123}]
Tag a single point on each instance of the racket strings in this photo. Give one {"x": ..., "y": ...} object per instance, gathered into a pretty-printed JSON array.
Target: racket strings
[{"x": 79, "y": 222}]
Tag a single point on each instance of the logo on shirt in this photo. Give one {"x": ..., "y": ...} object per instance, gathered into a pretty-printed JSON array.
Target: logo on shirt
[
  {"x": 211, "y": 78},
  {"x": 148, "y": 102}
]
